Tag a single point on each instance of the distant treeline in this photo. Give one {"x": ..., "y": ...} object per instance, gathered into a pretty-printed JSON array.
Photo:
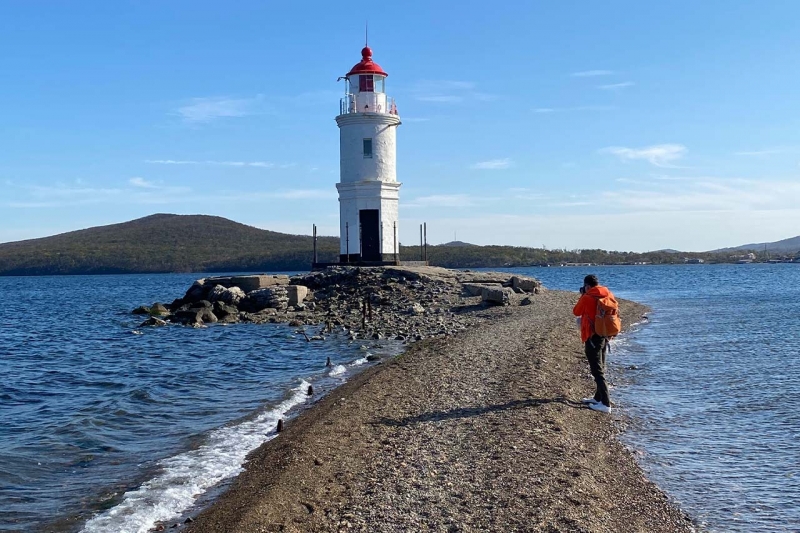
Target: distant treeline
[{"x": 199, "y": 243}]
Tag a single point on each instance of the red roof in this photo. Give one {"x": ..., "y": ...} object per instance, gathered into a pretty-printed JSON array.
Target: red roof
[{"x": 367, "y": 65}]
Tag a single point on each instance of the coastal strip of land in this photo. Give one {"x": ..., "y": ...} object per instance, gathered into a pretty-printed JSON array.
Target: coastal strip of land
[{"x": 481, "y": 431}]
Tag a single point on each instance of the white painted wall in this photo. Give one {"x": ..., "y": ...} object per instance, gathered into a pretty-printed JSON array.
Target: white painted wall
[
  {"x": 353, "y": 129},
  {"x": 368, "y": 183},
  {"x": 373, "y": 194}
]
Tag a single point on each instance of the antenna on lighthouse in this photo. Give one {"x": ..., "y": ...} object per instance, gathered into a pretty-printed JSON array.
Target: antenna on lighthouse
[{"x": 366, "y": 33}]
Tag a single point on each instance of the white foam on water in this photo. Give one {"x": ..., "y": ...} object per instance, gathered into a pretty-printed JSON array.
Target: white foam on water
[
  {"x": 188, "y": 475},
  {"x": 359, "y": 362},
  {"x": 337, "y": 370}
]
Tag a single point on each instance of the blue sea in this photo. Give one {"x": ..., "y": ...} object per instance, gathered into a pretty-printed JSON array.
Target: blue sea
[
  {"x": 710, "y": 386},
  {"x": 109, "y": 427},
  {"x": 105, "y": 426}
]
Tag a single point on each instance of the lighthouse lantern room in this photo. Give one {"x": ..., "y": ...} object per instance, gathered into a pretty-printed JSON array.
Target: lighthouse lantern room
[{"x": 368, "y": 186}]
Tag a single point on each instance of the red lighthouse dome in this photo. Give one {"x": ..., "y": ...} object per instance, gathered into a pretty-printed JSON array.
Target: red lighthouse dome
[{"x": 367, "y": 65}]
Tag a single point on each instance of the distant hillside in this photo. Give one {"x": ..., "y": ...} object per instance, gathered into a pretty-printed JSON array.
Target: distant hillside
[
  {"x": 790, "y": 245},
  {"x": 457, "y": 243},
  {"x": 164, "y": 243},
  {"x": 200, "y": 243}
]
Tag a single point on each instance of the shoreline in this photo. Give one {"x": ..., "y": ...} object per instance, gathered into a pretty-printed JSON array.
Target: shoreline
[{"x": 482, "y": 431}]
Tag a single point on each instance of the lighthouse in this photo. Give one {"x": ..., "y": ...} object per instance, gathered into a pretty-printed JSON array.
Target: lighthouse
[{"x": 368, "y": 186}]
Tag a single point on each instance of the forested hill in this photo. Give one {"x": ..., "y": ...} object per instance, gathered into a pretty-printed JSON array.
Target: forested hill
[
  {"x": 200, "y": 243},
  {"x": 164, "y": 243}
]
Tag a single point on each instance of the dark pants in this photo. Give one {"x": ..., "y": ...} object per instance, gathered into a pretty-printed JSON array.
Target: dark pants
[{"x": 596, "y": 354}]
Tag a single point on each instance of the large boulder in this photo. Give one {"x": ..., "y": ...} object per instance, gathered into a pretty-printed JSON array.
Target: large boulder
[
  {"x": 221, "y": 309},
  {"x": 475, "y": 289},
  {"x": 232, "y": 295},
  {"x": 275, "y": 297},
  {"x": 195, "y": 316},
  {"x": 253, "y": 283},
  {"x": 198, "y": 291},
  {"x": 296, "y": 294},
  {"x": 498, "y": 296},
  {"x": 158, "y": 310},
  {"x": 152, "y": 322},
  {"x": 525, "y": 284}
]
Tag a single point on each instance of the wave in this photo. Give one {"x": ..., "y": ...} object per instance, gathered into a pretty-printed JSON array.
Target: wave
[{"x": 188, "y": 475}]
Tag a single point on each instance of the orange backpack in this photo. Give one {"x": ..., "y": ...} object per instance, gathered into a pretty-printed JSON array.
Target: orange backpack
[{"x": 606, "y": 321}]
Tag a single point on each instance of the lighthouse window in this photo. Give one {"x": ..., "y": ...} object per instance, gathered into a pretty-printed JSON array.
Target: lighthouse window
[
  {"x": 367, "y": 148},
  {"x": 365, "y": 83}
]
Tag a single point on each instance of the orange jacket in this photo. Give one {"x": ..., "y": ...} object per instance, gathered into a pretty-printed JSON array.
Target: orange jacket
[{"x": 586, "y": 308}]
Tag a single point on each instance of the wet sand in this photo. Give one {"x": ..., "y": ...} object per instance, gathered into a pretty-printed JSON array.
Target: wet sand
[{"x": 482, "y": 431}]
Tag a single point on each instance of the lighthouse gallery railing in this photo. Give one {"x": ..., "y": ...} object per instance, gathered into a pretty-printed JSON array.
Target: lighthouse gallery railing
[{"x": 363, "y": 103}]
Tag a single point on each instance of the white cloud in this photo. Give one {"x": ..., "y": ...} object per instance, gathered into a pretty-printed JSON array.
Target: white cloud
[
  {"x": 769, "y": 151},
  {"x": 200, "y": 110},
  {"x": 448, "y": 92},
  {"x": 659, "y": 155},
  {"x": 143, "y": 183},
  {"x": 299, "y": 194},
  {"x": 706, "y": 194},
  {"x": 259, "y": 164},
  {"x": 592, "y": 73},
  {"x": 616, "y": 86},
  {"x": 493, "y": 164},
  {"x": 441, "y": 200}
]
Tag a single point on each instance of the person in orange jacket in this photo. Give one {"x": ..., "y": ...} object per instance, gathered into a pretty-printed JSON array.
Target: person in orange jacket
[{"x": 595, "y": 345}]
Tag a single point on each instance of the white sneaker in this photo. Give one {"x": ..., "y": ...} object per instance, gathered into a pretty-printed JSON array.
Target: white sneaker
[
  {"x": 589, "y": 400},
  {"x": 599, "y": 407}
]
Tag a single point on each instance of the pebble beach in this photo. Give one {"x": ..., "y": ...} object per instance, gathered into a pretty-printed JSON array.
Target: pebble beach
[{"x": 478, "y": 431}]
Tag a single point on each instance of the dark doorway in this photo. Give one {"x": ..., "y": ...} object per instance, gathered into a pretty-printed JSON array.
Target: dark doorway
[{"x": 370, "y": 234}]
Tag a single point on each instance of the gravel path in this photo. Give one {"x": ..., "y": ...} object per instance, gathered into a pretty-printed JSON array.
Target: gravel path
[{"x": 478, "y": 432}]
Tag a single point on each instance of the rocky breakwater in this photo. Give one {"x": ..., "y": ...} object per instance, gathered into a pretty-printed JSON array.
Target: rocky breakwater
[{"x": 400, "y": 303}]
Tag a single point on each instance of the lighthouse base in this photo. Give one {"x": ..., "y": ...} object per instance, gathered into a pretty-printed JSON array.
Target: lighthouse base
[{"x": 354, "y": 262}]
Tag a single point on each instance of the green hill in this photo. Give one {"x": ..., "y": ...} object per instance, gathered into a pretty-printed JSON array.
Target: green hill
[
  {"x": 164, "y": 243},
  {"x": 200, "y": 243}
]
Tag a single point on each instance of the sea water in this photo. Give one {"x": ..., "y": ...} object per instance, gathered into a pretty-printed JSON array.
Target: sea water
[
  {"x": 107, "y": 426},
  {"x": 709, "y": 386}
]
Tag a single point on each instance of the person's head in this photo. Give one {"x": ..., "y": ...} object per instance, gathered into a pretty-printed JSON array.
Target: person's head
[{"x": 590, "y": 281}]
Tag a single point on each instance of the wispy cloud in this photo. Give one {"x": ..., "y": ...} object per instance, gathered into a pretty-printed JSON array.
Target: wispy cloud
[
  {"x": 259, "y": 164},
  {"x": 141, "y": 191},
  {"x": 526, "y": 193},
  {"x": 770, "y": 151},
  {"x": 660, "y": 155},
  {"x": 493, "y": 164},
  {"x": 441, "y": 200},
  {"x": 572, "y": 109},
  {"x": 592, "y": 73},
  {"x": 143, "y": 183},
  {"x": 706, "y": 194},
  {"x": 448, "y": 92},
  {"x": 616, "y": 86},
  {"x": 202, "y": 110}
]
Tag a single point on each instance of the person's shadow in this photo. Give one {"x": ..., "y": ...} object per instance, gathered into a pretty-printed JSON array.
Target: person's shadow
[{"x": 468, "y": 412}]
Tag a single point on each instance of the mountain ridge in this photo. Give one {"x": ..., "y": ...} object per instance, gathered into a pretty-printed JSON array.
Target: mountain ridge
[{"x": 164, "y": 242}]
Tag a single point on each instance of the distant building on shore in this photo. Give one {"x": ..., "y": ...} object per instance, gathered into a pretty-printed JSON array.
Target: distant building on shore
[{"x": 369, "y": 192}]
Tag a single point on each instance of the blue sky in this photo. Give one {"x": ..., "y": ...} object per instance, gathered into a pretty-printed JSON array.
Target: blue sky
[{"x": 619, "y": 125}]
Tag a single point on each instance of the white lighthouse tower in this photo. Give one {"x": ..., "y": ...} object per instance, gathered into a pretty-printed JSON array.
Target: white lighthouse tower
[{"x": 368, "y": 186}]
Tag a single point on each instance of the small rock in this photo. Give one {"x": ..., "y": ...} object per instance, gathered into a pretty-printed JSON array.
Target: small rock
[
  {"x": 416, "y": 309},
  {"x": 153, "y": 322}
]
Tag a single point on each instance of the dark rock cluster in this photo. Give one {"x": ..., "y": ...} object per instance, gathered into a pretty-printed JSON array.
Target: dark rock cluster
[{"x": 399, "y": 303}]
